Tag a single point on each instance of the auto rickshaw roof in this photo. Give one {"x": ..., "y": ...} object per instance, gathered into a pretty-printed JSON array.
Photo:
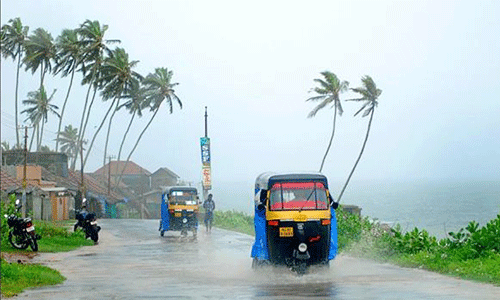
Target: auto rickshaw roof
[
  {"x": 169, "y": 189},
  {"x": 267, "y": 179}
]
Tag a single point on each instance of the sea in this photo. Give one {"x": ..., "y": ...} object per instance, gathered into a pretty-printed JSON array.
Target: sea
[{"x": 439, "y": 207}]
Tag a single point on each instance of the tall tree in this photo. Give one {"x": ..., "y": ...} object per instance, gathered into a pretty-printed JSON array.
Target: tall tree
[
  {"x": 70, "y": 53},
  {"x": 95, "y": 46},
  {"x": 134, "y": 106},
  {"x": 13, "y": 37},
  {"x": 38, "y": 110},
  {"x": 70, "y": 144},
  {"x": 328, "y": 92},
  {"x": 369, "y": 95},
  {"x": 118, "y": 79},
  {"x": 158, "y": 88},
  {"x": 40, "y": 53}
]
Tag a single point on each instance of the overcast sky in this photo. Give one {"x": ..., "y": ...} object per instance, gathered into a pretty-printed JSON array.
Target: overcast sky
[{"x": 253, "y": 63}]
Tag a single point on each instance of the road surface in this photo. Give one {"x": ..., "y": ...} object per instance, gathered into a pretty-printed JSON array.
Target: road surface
[{"x": 132, "y": 261}]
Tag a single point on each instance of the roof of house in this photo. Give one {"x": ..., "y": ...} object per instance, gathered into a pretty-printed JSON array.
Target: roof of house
[
  {"x": 116, "y": 168},
  {"x": 162, "y": 171},
  {"x": 95, "y": 186},
  {"x": 7, "y": 181}
]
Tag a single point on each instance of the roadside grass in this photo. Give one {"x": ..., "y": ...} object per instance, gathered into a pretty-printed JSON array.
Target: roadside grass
[
  {"x": 18, "y": 277},
  {"x": 472, "y": 253},
  {"x": 56, "y": 237}
]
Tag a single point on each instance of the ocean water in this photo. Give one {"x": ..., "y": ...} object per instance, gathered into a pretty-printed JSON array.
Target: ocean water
[{"x": 438, "y": 207}]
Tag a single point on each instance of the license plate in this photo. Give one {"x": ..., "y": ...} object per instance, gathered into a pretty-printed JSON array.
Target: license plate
[
  {"x": 286, "y": 231},
  {"x": 93, "y": 223},
  {"x": 177, "y": 215},
  {"x": 30, "y": 229}
]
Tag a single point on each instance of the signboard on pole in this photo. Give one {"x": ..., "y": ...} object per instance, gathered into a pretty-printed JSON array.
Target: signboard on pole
[{"x": 205, "y": 160}]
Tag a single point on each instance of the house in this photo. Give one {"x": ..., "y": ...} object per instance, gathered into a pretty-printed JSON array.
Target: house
[
  {"x": 133, "y": 176},
  {"x": 163, "y": 177}
]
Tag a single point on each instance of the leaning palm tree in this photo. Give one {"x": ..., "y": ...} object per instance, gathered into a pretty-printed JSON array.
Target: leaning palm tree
[
  {"x": 40, "y": 53},
  {"x": 328, "y": 92},
  {"x": 12, "y": 45},
  {"x": 70, "y": 144},
  {"x": 39, "y": 107},
  {"x": 158, "y": 88},
  {"x": 69, "y": 51},
  {"x": 118, "y": 79},
  {"x": 369, "y": 95},
  {"x": 94, "y": 47},
  {"x": 134, "y": 105}
]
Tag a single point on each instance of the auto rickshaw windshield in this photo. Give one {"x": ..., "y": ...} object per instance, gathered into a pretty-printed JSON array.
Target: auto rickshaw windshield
[
  {"x": 183, "y": 198},
  {"x": 298, "y": 196}
]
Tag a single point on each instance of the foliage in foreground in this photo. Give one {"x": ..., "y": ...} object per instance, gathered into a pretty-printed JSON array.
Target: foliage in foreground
[
  {"x": 234, "y": 220},
  {"x": 17, "y": 277}
]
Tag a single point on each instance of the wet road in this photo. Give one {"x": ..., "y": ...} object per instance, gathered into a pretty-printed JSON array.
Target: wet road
[{"x": 132, "y": 261}]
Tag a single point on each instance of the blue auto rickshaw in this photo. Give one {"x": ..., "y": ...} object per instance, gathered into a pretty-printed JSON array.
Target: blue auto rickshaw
[
  {"x": 179, "y": 210},
  {"x": 295, "y": 223}
]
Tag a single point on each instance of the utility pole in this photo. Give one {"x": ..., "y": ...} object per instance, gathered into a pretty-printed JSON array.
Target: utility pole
[
  {"x": 82, "y": 187},
  {"x": 205, "y": 160},
  {"x": 25, "y": 183},
  {"x": 109, "y": 174}
]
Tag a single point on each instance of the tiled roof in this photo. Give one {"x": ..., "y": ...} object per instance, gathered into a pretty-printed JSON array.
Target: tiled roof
[
  {"x": 7, "y": 181},
  {"x": 165, "y": 170},
  {"x": 95, "y": 186},
  {"x": 116, "y": 168}
]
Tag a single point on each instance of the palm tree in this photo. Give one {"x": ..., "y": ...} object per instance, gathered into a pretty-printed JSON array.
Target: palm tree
[
  {"x": 94, "y": 47},
  {"x": 5, "y": 146},
  {"x": 12, "y": 45},
  {"x": 369, "y": 95},
  {"x": 38, "y": 111},
  {"x": 70, "y": 143},
  {"x": 328, "y": 92},
  {"x": 40, "y": 53},
  {"x": 70, "y": 53},
  {"x": 134, "y": 105},
  {"x": 158, "y": 88},
  {"x": 118, "y": 79}
]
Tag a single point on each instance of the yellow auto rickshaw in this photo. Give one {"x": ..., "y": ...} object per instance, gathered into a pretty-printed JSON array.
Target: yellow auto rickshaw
[
  {"x": 179, "y": 210},
  {"x": 295, "y": 222}
]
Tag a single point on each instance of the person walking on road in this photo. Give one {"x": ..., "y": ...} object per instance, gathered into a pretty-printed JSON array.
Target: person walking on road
[{"x": 209, "y": 206}]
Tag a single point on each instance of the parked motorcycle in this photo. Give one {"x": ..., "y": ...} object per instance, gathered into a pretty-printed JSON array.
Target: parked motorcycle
[
  {"x": 22, "y": 231},
  {"x": 88, "y": 222}
]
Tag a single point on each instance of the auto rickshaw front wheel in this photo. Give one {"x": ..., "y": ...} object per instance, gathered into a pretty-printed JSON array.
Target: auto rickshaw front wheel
[{"x": 162, "y": 232}]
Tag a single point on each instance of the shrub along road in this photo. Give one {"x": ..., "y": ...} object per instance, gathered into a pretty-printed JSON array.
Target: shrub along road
[{"x": 132, "y": 261}]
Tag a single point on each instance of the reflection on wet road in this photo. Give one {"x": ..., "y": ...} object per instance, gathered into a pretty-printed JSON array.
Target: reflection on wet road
[{"x": 132, "y": 261}]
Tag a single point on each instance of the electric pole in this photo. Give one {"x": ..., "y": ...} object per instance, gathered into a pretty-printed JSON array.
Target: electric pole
[
  {"x": 25, "y": 183},
  {"x": 109, "y": 175}
]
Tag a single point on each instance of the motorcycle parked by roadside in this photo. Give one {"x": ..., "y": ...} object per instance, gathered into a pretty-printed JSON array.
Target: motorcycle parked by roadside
[
  {"x": 22, "y": 231},
  {"x": 88, "y": 222}
]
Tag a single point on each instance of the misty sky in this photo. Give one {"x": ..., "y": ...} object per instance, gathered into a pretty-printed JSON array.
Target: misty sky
[{"x": 253, "y": 63}]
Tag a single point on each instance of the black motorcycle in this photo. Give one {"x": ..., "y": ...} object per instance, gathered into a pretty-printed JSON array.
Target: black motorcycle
[
  {"x": 22, "y": 233},
  {"x": 88, "y": 222}
]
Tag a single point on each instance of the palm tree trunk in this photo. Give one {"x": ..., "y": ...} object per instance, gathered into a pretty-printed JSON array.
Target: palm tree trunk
[
  {"x": 88, "y": 113},
  {"x": 17, "y": 91},
  {"x": 331, "y": 138},
  {"x": 41, "y": 135},
  {"x": 136, "y": 143},
  {"x": 359, "y": 157},
  {"x": 80, "y": 129},
  {"x": 64, "y": 107},
  {"x": 109, "y": 130},
  {"x": 83, "y": 125},
  {"x": 125, "y": 135},
  {"x": 95, "y": 135}
]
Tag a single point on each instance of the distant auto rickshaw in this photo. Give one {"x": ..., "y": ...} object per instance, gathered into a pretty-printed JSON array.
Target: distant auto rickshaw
[
  {"x": 295, "y": 223},
  {"x": 179, "y": 210}
]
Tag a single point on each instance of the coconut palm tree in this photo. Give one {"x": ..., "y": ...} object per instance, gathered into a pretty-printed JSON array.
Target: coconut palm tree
[
  {"x": 328, "y": 92},
  {"x": 94, "y": 46},
  {"x": 40, "y": 53},
  {"x": 134, "y": 105},
  {"x": 118, "y": 79},
  {"x": 13, "y": 37},
  {"x": 39, "y": 107},
  {"x": 158, "y": 88},
  {"x": 70, "y": 144},
  {"x": 369, "y": 95},
  {"x": 70, "y": 53}
]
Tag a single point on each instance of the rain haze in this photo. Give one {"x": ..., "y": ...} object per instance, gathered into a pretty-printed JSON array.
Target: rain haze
[{"x": 253, "y": 65}]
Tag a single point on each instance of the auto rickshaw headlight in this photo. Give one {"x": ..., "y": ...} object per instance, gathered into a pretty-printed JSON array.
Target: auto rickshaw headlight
[
  {"x": 302, "y": 247},
  {"x": 185, "y": 220}
]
